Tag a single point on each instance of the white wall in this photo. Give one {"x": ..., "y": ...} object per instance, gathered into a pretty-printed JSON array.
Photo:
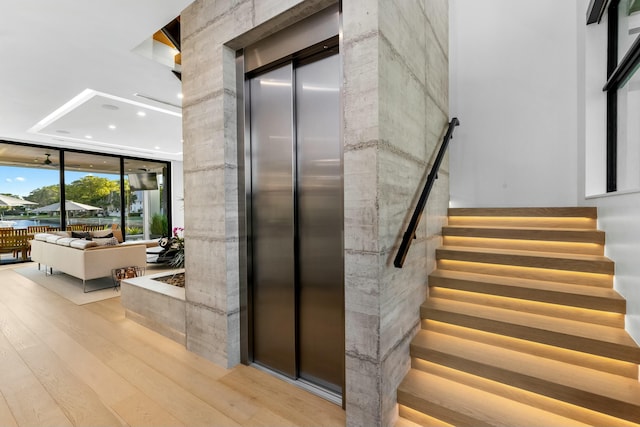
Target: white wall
[
  {"x": 526, "y": 82},
  {"x": 593, "y": 74},
  {"x": 513, "y": 86},
  {"x": 619, "y": 217},
  {"x": 618, "y": 213},
  {"x": 177, "y": 190}
]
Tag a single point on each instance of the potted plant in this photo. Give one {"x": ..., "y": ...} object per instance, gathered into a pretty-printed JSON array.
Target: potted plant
[
  {"x": 173, "y": 249},
  {"x": 178, "y": 246},
  {"x": 158, "y": 225}
]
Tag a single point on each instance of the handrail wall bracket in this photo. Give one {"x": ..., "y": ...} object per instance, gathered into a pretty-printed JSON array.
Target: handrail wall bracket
[{"x": 410, "y": 234}]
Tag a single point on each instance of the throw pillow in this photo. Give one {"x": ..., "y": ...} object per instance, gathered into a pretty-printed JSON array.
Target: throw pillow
[
  {"x": 106, "y": 241},
  {"x": 101, "y": 234},
  {"x": 81, "y": 235}
]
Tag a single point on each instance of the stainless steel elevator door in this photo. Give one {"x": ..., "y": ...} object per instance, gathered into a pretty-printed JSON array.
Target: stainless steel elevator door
[
  {"x": 272, "y": 187},
  {"x": 320, "y": 223},
  {"x": 297, "y": 222}
]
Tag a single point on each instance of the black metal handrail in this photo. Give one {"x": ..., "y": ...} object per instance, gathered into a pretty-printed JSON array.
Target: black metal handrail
[{"x": 410, "y": 234}]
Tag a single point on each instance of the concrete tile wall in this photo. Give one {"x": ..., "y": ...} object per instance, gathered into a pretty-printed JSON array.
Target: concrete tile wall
[
  {"x": 395, "y": 99},
  {"x": 211, "y": 31}
]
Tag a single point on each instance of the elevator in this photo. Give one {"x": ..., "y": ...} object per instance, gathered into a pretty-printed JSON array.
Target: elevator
[{"x": 295, "y": 217}]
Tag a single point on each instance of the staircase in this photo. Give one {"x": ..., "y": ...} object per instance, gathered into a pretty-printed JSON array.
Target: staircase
[{"x": 522, "y": 326}]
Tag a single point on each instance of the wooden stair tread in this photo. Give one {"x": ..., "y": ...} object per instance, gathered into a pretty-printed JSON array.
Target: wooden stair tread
[
  {"x": 555, "y": 212},
  {"x": 577, "y": 295},
  {"x": 467, "y": 406},
  {"x": 419, "y": 418},
  {"x": 589, "y": 338},
  {"x": 608, "y": 393},
  {"x": 570, "y": 327},
  {"x": 553, "y": 255},
  {"x": 530, "y": 305},
  {"x": 526, "y": 228},
  {"x": 526, "y": 233},
  {"x": 603, "y": 364},
  {"x": 403, "y": 422},
  {"x": 529, "y": 283},
  {"x": 549, "y": 260}
]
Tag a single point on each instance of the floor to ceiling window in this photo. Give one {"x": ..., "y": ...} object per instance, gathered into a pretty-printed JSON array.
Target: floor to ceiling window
[
  {"x": 146, "y": 190},
  {"x": 92, "y": 189},
  {"x": 31, "y": 174},
  {"x": 623, "y": 95},
  {"x": 99, "y": 190},
  {"x": 628, "y": 128}
]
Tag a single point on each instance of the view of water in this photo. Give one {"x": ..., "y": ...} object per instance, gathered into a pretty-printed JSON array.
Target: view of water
[{"x": 24, "y": 223}]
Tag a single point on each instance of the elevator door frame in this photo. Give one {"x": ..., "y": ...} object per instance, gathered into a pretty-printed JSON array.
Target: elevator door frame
[
  {"x": 309, "y": 56},
  {"x": 324, "y": 48}
]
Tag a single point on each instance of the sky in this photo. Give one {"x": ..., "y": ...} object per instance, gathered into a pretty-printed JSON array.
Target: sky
[{"x": 21, "y": 181}]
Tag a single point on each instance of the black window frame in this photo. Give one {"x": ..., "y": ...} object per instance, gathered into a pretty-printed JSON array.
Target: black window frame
[
  {"x": 619, "y": 71},
  {"x": 63, "y": 150}
]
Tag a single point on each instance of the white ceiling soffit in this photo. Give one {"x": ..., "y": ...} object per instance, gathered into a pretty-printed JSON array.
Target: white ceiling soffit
[
  {"x": 108, "y": 121},
  {"x": 53, "y": 50}
]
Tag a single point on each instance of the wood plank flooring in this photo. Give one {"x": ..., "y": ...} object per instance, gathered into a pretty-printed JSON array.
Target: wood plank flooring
[{"x": 65, "y": 365}]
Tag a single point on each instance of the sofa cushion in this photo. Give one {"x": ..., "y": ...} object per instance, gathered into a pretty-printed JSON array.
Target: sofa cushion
[
  {"x": 41, "y": 236},
  {"x": 106, "y": 241},
  {"x": 62, "y": 233},
  {"x": 82, "y": 244},
  {"x": 65, "y": 241},
  {"x": 52, "y": 238}
]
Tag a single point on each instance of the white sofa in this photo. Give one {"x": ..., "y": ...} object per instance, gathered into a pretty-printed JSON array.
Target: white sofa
[{"x": 79, "y": 258}]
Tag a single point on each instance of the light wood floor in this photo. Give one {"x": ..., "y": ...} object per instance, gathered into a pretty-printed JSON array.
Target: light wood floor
[{"x": 63, "y": 364}]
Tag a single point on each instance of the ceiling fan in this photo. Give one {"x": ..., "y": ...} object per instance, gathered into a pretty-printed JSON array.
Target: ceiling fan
[{"x": 48, "y": 162}]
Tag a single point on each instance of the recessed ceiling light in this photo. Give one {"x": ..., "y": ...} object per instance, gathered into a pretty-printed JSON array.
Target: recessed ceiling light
[
  {"x": 88, "y": 136},
  {"x": 141, "y": 113},
  {"x": 180, "y": 95},
  {"x": 156, "y": 147},
  {"x": 112, "y": 127},
  {"x": 63, "y": 131},
  {"x": 110, "y": 107}
]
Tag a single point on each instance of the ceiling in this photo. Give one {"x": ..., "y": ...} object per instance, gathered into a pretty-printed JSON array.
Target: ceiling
[{"x": 87, "y": 75}]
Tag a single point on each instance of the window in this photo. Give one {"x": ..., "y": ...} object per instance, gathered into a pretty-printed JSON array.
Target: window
[
  {"x": 146, "y": 212},
  {"x": 96, "y": 189},
  {"x": 31, "y": 174},
  {"x": 623, "y": 95},
  {"x": 92, "y": 190}
]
